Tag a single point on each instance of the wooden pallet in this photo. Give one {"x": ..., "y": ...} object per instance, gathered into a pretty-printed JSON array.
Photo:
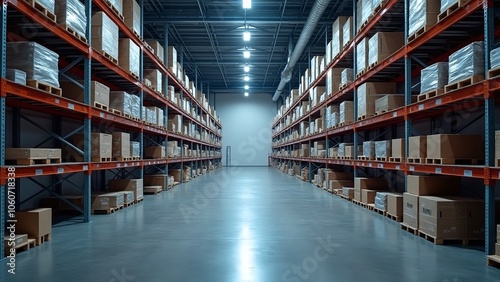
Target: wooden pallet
[
  {"x": 463, "y": 83},
  {"x": 493, "y": 73},
  {"x": 122, "y": 159},
  {"x": 375, "y": 209},
  {"x": 152, "y": 190},
  {"x": 116, "y": 112},
  {"x": 396, "y": 160},
  {"x": 365, "y": 158},
  {"x": 76, "y": 34},
  {"x": 361, "y": 73},
  {"x": 101, "y": 106},
  {"x": 107, "y": 211},
  {"x": 139, "y": 200},
  {"x": 137, "y": 35},
  {"x": 30, "y": 243},
  {"x": 454, "y": 161},
  {"x": 379, "y": 7},
  {"x": 44, "y": 87},
  {"x": 418, "y": 33},
  {"x": 356, "y": 202},
  {"x": 493, "y": 260},
  {"x": 149, "y": 47},
  {"x": 362, "y": 117},
  {"x": 42, "y": 239},
  {"x": 134, "y": 75},
  {"x": 410, "y": 229},
  {"x": 125, "y": 205},
  {"x": 394, "y": 217},
  {"x": 416, "y": 160},
  {"x": 430, "y": 94},
  {"x": 117, "y": 13},
  {"x": 438, "y": 241},
  {"x": 345, "y": 197},
  {"x": 41, "y": 8},
  {"x": 382, "y": 159},
  {"x": 33, "y": 161},
  {"x": 346, "y": 158},
  {"x": 109, "y": 57},
  {"x": 342, "y": 86},
  {"x": 451, "y": 9}
]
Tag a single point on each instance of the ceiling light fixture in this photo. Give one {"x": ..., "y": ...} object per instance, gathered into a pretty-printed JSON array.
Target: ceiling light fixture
[
  {"x": 246, "y": 36},
  {"x": 246, "y": 54},
  {"x": 246, "y": 78},
  {"x": 246, "y": 68},
  {"x": 246, "y": 94},
  {"x": 247, "y": 87},
  {"x": 247, "y": 4}
]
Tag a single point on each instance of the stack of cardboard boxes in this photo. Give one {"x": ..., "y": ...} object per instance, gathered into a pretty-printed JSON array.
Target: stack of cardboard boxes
[{"x": 365, "y": 189}]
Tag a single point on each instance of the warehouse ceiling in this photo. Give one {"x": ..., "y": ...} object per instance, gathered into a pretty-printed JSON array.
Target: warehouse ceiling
[{"x": 209, "y": 34}]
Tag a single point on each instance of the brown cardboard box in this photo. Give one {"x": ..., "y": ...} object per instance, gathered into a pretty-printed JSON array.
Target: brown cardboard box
[
  {"x": 156, "y": 180},
  {"x": 443, "y": 218},
  {"x": 31, "y": 153},
  {"x": 398, "y": 148},
  {"x": 455, "y": 146},
  {"x": 348, "y": 192},
  {"x": 172, "y": 57},
  {"x": 134, "y": 185},
  {"x": 410, "y": 210},
  {"x": 475, "y": 219},
  {"x": 36, "y": 223},
  {"x": 129, "y": 56},
  {"x": 349, "y": 151},
  {"x": 18, "y": 240},
  {"x": 336, "y": 175},
  {"x": 370, "y": 183},
  {"x": 154, "y": 152},
  {"x": 155, "y": 77},
  {"x": 99, "y": 92},
  {"x": 369, "y": 92},
  {"x": 157, "y": 48},
  {"x": 339, "y": 184},
  {"x": 368, "y": 196},
  {"x": 389, "y": 102},
  {"x": 338, "y": 35},
  {"x": 346, "y": 112},
  {"x": 395, "y": 204},
  {"x": 132, "y": 15},
  {"x": 333, "y": 77},
  {"x": 101, "y": 144},
  {"x": 384, "y": 44},
  {"x": 417, "y": 147},
  {"x": 433, "y": 185},
  {"x": 176, "y": 173},
  {"x": 107, "y": 201},
  {"x": 121, "y": 145}
]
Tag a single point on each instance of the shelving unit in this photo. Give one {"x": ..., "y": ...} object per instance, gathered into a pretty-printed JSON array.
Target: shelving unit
[
  {"x": 473, "y": 21},
  {"x": 80, "y": 60}
]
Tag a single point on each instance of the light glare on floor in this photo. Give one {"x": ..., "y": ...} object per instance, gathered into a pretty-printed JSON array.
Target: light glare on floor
[
  {"x": 246, "y": 54},
  {"x": 246, "y": 94},
  {"x": 247, "y": 4}
]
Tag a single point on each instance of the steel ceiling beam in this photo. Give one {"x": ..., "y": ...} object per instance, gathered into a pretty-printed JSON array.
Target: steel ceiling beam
[{"x": 197, "y": 20}]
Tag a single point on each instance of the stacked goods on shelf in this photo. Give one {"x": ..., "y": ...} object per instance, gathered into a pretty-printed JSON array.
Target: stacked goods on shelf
[
  {"x": 105, "y": 36},
  {"x": 423, "y": 14},
  {"x": 99, "y": 93},
  {"x": 172, "y": 60},
  {"x": 368, "y": 151},
  {"x": 133, "y": 185},
  {"x": 129, "y": 56},
  {"x": 317, "y": 67},
  {"x": 365, "y": 189},
  {"x": 454, "y": 149},
  {"x": 417, "y": 149},
  {"x": 154, "y": 152},
  {"x": 389, "y": 102},
  {"x": 395, "y": 206},
  {"x": 338, "y": 36},
  {"x": 121, "y": 146},
  {"x": 162, "y": 180},
  {"x": 347, "y": 33},
  {"x": 398, "y": 151},
  {"x": 383, "y": 150},
  {"x": 333, "y": 79},
  {"x": 382, "y": 45},
  {"x": 31, "y": 156},
  {"x": 466, "y": 66},
  {"x": 101, "y": 145},
  {"x": 176, "y": 174},
  {"x": 121, "y": 102},
  {"x": 433, "y": 80},
  {"x": 346, "y": 151},
  {"x": 368, "y": 93},
  {"x": 331, "y": 116},
  {"x": 132, "y": 15},
  {"x": 333, "y": 153},
  {"x": 17, "y": 76},
  {"x": 71, "y": 15},
  {"x": 494, "y": 63},
  {"x": 346, "y": 112},
  {"x": 39, "y": 63},
  {"x": 304, "y": 174},
  {"x": 117, "y": 5},
  {"x": 362, "y": 57},
  {"x": 337, "y": 180},
  {"x": 348, "y": 192},
  {"x": 36, "y": 223},
  {"x": 364, "y": 11},
  {"x": 157, "y": 49},
  {"x": 156, "y": 79},
  {"x": 304, "y": 151},
  {"x": 346, "y": 77},
  {"x": 107, "y": 203}
]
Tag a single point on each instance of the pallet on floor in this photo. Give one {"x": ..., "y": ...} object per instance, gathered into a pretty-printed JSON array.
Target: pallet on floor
[
  {"x": 139, "y": 200},
  {"x": 394, "y": 217},
  {"x": 152, "y": 190},
  {"x": 34, "y": 161},
  {"x": 76, "y": 34},
  {"x": 30, "y": 243},
  {"x": 454, "y": 161},
  {"x": 430, "y": 94},
  {"x": 438, "y": 241},
  {"x": 493, "y": 260},
  {"x": 356, "y": 202},
  {"x": 107, "y": 211},
  {"x": 410, "y": 229},
  {"x": 42, "y": 239},
  {"x": 375, "y": 209},
  {"x": 415, "y": 160},
  {"x": 451, "y": 9},
  {"x": 42, "y": 86},
  {"x": 463, "y": 83},
  {"x": 41, "y": 8},
  {"x": 125, "y": 205},
  {"x": 345, "y": 197}
]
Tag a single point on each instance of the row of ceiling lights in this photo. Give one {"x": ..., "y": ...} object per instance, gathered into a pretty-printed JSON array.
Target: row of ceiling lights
[{"x": 247, "y": 4}]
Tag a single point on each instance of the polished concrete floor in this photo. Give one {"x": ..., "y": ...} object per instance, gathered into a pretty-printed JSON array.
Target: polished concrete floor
[{"x": 244, "y": 224}]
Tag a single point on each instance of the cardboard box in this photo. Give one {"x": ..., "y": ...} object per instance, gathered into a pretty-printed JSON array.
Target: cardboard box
[
  {"x": 134, "y": 185},
  {"x": 428, "y": 11},
  {"x": 395, "y": 204},
  {"x": 128, "y": 197},
  {"x": 157, "y": 49},
  {"x": 135, "y": 149},
  {"x": 398, "y": 148},
  {"x": 382, "y": 45},
  {"x": 455, "y": 146},
  {"x": 348, "y": 192},
  {"x": 475, "y": 219},
  {"x": 176, "y": 173},
  {"x": 346, "y": 112},
  {"x": 101, "y": 144},
  {"x": 443, "y": 218},
  {"x": 121, "y": 145},
  {"x": 155, "y": 76},
  {"x": 18, "y": 240},
  {"x": 362, "y": 183},
  {"x": 410, "y": 210},
  {"x": 129, "y": 56},
  {"x": 36, "y": 223},
  {"x": 99, "y": 93},
  {"x": 107, "y": 201},
  {"x": 132, "y": 15},
  {"x": 369, "y": 92},
  {"x": 389, "y": 102},
  {"x": 417, "y": 147},
  {"x": 333, "y": 77},
  {"x": 339, "y": 184},
  {"x": 32, "y": 153},
  {"x": 172, "y": 58},
  {"x": 362, "y": 55},
  {"x": 154, "y": 152},
  {"x": 435, "y": 185},
  {"x": 368, "y": 196},
  {"x": 105, "y": 35},
  {"x": 338, "y": 35}
]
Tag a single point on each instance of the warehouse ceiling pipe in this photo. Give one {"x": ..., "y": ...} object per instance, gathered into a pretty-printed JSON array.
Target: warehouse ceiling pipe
[{"x": 309, "y": 27}]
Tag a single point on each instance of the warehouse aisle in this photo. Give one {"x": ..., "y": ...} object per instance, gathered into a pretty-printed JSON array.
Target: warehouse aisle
[{"x": 244, "y": 224}]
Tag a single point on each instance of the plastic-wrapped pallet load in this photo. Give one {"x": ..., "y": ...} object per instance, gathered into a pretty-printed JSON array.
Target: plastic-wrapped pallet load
[
  {"x": 369, "y": 149},
  {"x": 135, "y": 149},
  {"x": 383, "y": 149},
  {"x": 151, "y": 115},
  {"x": 39, "y": 63},
  {"x": 157, "y": 49},
  {"x": 17, "y": 76},
  {"x": 466, "y": 62},
  {"x": 160, "y": 117},
  {"x": 495, "y": 58},
  {"x": 47, "y": 4},
  {"x": 362, "y": 55},
  {"x": 364, "y": 10},
  {"x": 445, "y": 4},
  {"x": 334, "y": 119},
  {"x": 121, "y": 101},
  {"x": 118, "y": 5},
  {"x": 105, "y": 35},
  {"x": 342, "y": 148},
  {"x": 155, "y": 77},
  {"x": 132, "y": 15},
  {"x": 135, "y": 106},
  {"x": 347, "y": 76},
  {"x": 129, "y": 56},
  {"x": 71, "y": 13},
  {"x": 337, "y": 35},
  {"x": 422, "y": 13},
  {"x": 434, "y": 77},
  {"x": 381, "y": 201},
  {"x": 347, "y": 32},
  {"x": 346, "y": 113},
  {"x": 333, "y": 78}
]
